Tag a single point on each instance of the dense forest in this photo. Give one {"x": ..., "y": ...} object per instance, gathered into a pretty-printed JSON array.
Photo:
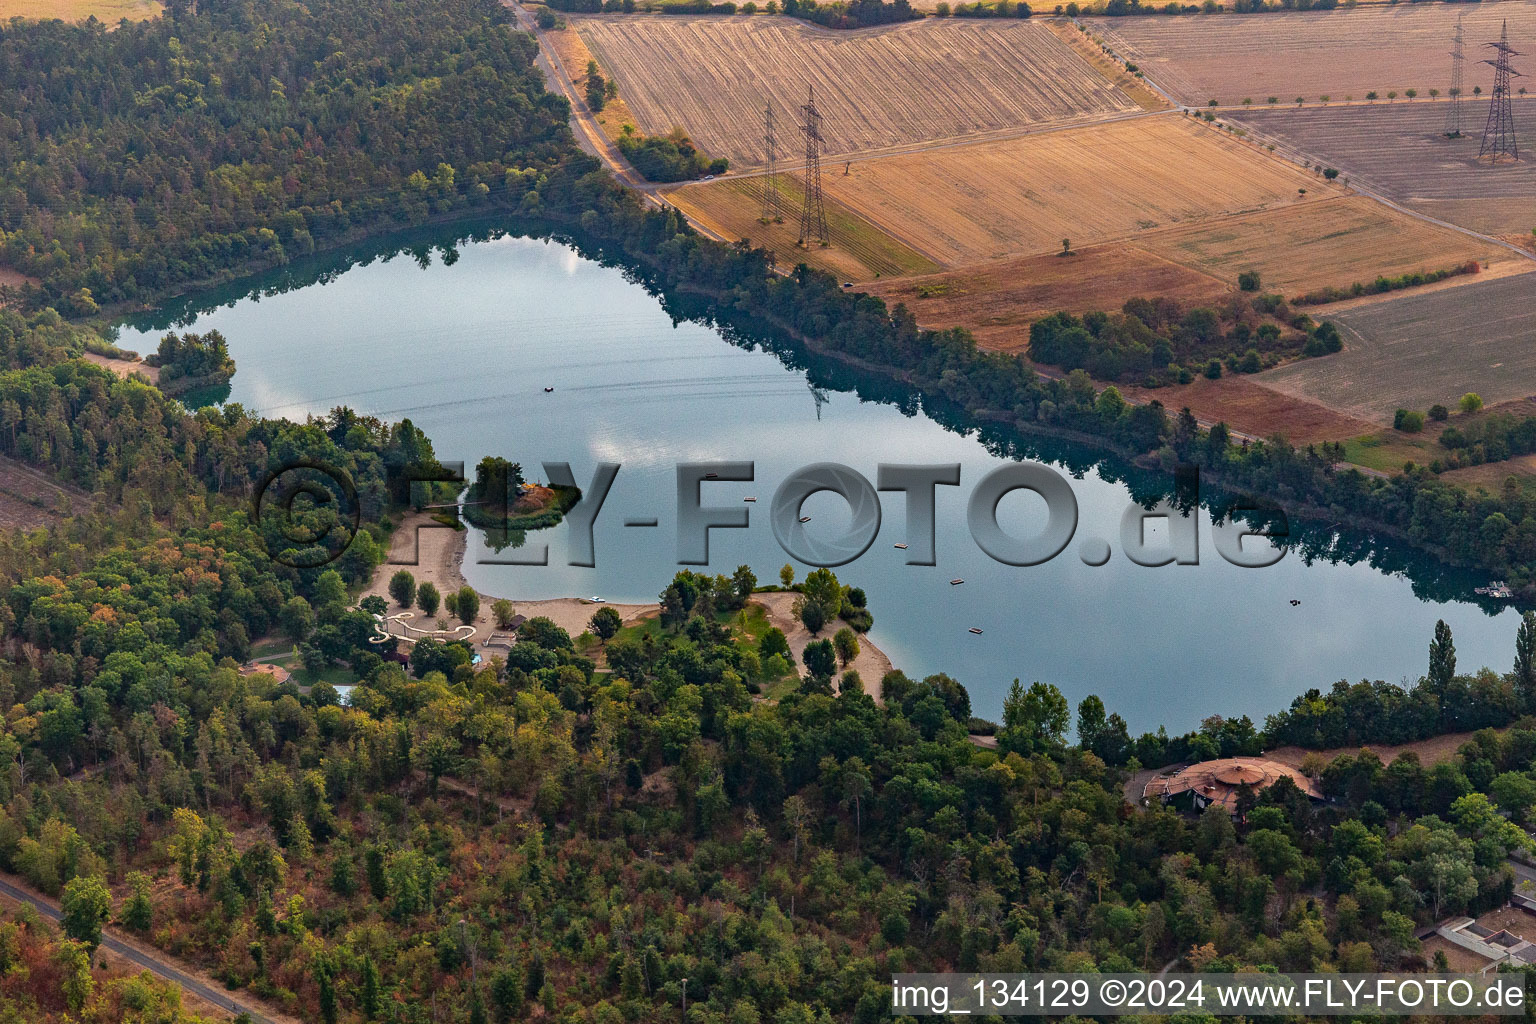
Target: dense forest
[{"x": 170, "y": 151}]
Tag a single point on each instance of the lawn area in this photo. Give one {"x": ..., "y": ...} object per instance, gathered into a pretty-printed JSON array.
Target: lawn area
[
  {"x": 1388, "y": 450},
  {"x": 336, "y": 675}
]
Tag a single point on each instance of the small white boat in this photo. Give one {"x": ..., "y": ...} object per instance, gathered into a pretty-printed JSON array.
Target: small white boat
[
  {"x": 596, "y": 600},
  {"x": 548, "y": 390},
  {"x": 805, "y": 519},
  {"x": 748, "y": 499},
  {"x": 901, "y": 547},
  {"x": 976, "y": 631},
  {"x": 711, "y": 476},
  {"x": 956, "y": 581}
]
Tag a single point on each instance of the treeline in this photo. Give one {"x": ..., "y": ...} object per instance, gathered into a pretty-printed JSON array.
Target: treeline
[
  {"x": 1441, "y": 702},
  {"x": 671, "y": 157},
  {"x": 850, "y": 14},
  {"x": 175, "y": 150},
  {"x": 1384, "y": 284},
  {"x": 1492, "y": 438},
  {"x": 1157, "y": 342}
]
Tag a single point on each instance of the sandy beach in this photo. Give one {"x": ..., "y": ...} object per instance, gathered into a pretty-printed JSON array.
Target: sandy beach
[{"x": 435, "y": 554}]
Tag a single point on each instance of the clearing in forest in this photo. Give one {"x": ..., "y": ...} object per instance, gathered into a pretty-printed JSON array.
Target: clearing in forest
[
  {"x": 966, "y": 204},
  {"x": 1341, "y": 53},
  {"x": 733, "y": 207},
  {"x": 878, "y": 88},
  {"x": 1333, "y": 243},
  {"x": 1419, "y": 349}
]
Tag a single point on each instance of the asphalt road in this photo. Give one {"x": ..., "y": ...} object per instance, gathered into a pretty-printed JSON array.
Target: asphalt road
[{"x": 150, "y": 963}]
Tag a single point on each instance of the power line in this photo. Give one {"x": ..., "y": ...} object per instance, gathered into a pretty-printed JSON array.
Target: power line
[
  {"x": 1499, "y": 134},
  {"x": 813, "y": 214},
  {"x": 1458, "y": 58}
]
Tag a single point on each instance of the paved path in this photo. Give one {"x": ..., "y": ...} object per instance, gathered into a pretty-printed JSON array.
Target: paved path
[{"x": 163, "y": 967}]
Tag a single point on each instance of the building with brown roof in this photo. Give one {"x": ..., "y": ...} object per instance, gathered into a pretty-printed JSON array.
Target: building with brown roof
[{"x": 1220, "y": 782}]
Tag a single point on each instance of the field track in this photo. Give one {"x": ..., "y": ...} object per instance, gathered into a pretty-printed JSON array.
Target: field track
[
  {"x": 1338, "y": 53},
  {"x": 967, "y": 204},
  {"x": 876, "y": 88},
  {"x": 1415, "y": 350}
]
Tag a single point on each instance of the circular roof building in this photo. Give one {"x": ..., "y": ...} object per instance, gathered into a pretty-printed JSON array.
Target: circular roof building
[{"x": 1220, "y": 782}]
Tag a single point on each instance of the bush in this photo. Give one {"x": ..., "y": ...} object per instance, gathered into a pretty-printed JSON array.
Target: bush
[
  {"x": 1408, "y": 421},
  {"x": 1470, "y": 402},
  {"x": 1248, "y": 280},
  {"x": 1439, "y": 413}
]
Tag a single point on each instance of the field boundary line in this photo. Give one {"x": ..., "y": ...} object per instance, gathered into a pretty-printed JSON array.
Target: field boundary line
[{"x": 1296, "y": 155}]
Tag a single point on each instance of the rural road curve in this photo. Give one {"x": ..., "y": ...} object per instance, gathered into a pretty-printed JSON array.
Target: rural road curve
[
  {"x": 162, "y": 967},
  {"x": 586, "y": 125}
]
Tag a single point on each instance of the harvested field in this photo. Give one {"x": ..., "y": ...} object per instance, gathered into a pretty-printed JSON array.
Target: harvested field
[
  {"x": 1137, "y": 89},
  {"x": 1252, "y": 409},
  {"x": 108, "y": 11},
  {"x": 1491, "y": 475},
  {"x": 876, "y": 88},
  {"x": 965, "y": 204},
  {"x": 1335, "y": 243},
  {"x": 1400, "y": 150},
  {"x": 1336, "y": 53},
  {"x": 999, "y": 300},
  {"x": 860, "y": 250},
  {"x": 1415, "y": 350}
]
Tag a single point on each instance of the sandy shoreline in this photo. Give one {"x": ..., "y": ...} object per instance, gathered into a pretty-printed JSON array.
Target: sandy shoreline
[{"x": 434, "y": 554}]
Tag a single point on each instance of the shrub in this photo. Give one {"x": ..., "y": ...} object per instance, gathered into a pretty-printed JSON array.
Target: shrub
[
  {"x": 1408, "y": 421},
  {"x": 1439, "y": 413},
  {"x": 1470, "y": 402},
  {"x": 1248, "y": 280}
]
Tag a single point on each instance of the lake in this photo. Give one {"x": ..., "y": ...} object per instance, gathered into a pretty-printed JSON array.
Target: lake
[{"x": 462, "y": 330}]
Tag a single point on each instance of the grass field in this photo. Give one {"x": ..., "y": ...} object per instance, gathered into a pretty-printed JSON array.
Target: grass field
[
  {"x": 964, "y": 204},
  {"x": 876, "y": 88},
  {"x": 1336, "y": 53},
  {"x": 1401, "y": 150},
  {"x": 1415, "y": 350},
  {"x": 109, "y": 11},
  {"x": 1335, "y": 242},
  {"x": 861, "y": 251},
  {"x": 999, "y": 300}
]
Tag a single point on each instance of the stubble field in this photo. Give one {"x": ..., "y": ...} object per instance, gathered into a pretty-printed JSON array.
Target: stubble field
[
  {"x": 965, "y": 204},
  {"x": 877, "y": 88},
  {"x": 1339, "y": 53},
  {"x": 1401, "y": 150},
  {"x": 999, "y": 300},
  {"x": 1416, "y": 350},
  {"x": 1333, "y": 243},
  {"x": 734, "y": 207},
  {"x": 108, "y": 11}
]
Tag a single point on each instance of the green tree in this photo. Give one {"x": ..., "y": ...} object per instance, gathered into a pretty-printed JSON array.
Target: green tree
[
  {"x": 846, "y": 644},
  {"x": 73, "y": 959},
  {"x": 787, "y": 576},
  {"x": 1033, "y": 719},
  {"x": 87, "y": 903},
  {"x": 1525, "y": 660},
  {"x": 1470, "y": 402},
  {"x": 1442, "y": 658},
  {"x": 138, "y": 913},
  {"x": 428, "y": 599},
  {"x": 467, "y": 607},
  {"x": 503, "y": 612},
  {"x": 605, "y": 623},
  {"x": 368, "y": 992},
  {"x": 820, "y": 659},
  {"x": 402, "y": 587}
]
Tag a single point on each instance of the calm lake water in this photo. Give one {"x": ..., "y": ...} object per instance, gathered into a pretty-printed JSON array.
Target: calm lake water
[{"x": 461, "y": 332}]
